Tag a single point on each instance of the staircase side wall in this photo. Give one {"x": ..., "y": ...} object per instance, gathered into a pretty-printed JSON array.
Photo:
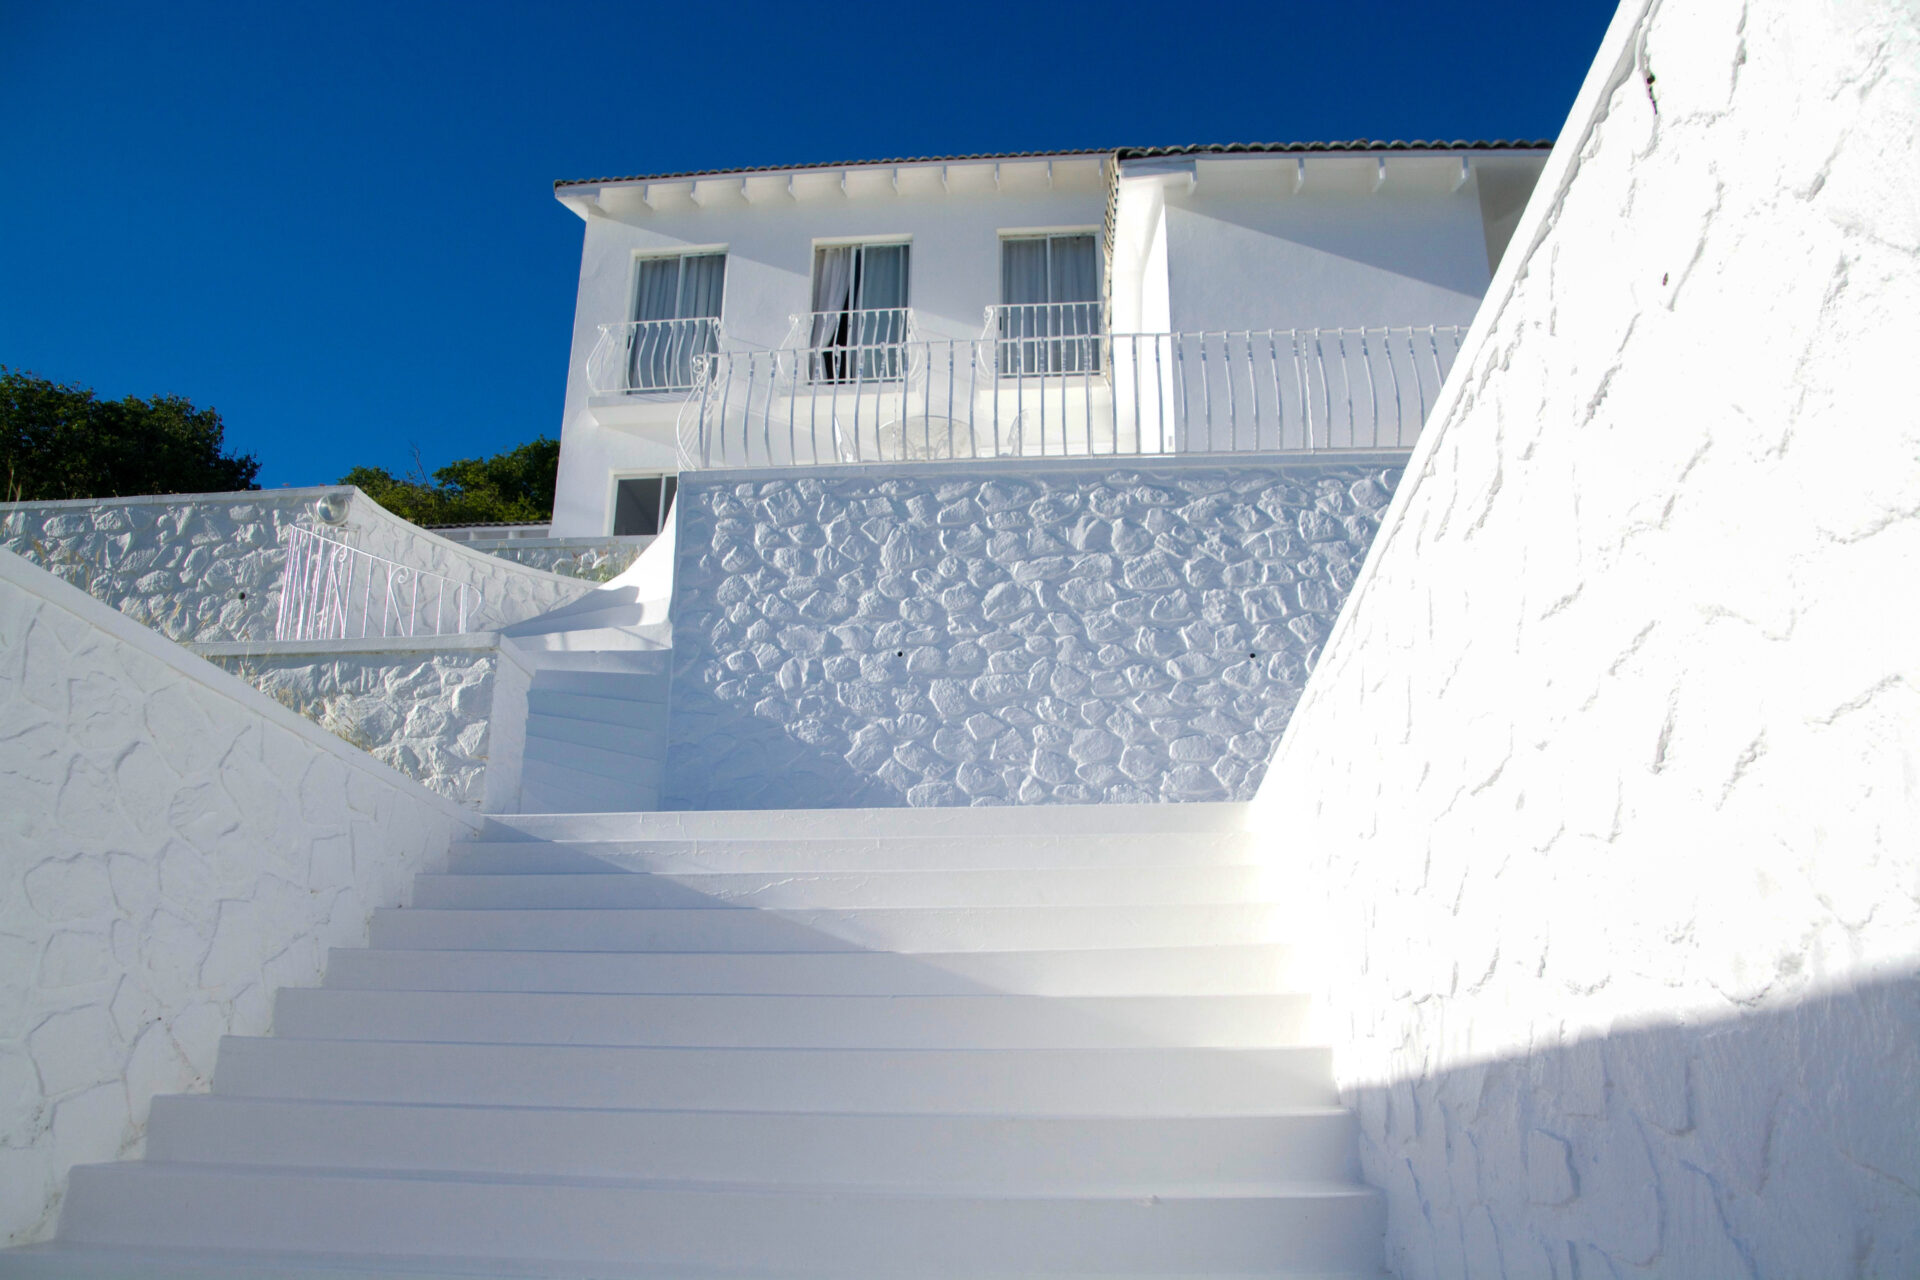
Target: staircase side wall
[
  {"x": 174, "y": 846},
  {"x": 1602, "y": 801},
  {"x": 424, "y": 706},
  {"x": 1032, "y": 633}
]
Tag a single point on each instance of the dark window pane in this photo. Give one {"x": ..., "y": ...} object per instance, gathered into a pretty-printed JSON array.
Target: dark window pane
[{"x": 636, "y": 505}]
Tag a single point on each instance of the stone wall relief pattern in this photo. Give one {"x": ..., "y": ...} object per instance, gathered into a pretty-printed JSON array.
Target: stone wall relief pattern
[{"x": 1054, "y": 634}]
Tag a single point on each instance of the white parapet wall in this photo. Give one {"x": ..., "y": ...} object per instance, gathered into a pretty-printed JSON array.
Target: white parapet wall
[
  {"x": 174, "y": 846},
  {"x": 207, "y": 566},
  {"x": 1602, "y": 797}
]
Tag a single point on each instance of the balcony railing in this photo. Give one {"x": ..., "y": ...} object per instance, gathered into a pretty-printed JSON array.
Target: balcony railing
[
  {"x": 332, "y": 591},
  {"x": 1142, "y": 394},
  {"x": 855, "y": 345},
  {"x": 1047, "y": 337},
  {"x": 650, "y": 355}
]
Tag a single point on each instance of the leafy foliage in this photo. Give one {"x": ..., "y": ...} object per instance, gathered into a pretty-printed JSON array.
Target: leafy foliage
[
  {"x": 515, "y": 487},
  {"x": 59, "y": 441}
]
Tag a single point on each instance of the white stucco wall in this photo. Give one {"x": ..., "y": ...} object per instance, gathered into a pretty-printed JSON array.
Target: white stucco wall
[
  {"x": 1245, "y": 251},
  {"x": 1602, "y": 799},
  {"x": 174, "y": 846},
  {"x": 1058, "y": 632},
  {"x": 207, "y": 566},
  {"x": 423, "y": 706}
]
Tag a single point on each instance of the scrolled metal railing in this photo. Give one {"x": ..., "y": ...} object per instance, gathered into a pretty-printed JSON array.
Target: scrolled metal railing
[
  {"x": 1139, "y": 394},
  {"x": 650, "y": 355},
  {"x": 332, "y": 591}
]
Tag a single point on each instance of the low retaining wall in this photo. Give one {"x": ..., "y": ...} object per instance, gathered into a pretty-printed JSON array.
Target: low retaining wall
[
  {"x": 423, "y": 706},
  {"x": 996, "y": 633},
  {"x": 207, "y": 566},
  {"x": 173, "y": 848}
]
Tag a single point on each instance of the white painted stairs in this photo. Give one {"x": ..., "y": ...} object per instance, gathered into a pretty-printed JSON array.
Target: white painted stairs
[{"x": 866, "y": 1043}]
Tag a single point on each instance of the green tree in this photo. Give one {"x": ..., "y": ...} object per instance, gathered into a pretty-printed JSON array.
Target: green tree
[
  {"x": 61, "y": 441},
  {"x": 514, "y": 487}
]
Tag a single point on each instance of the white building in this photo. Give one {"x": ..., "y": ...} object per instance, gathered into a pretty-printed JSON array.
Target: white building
[{"x": 1207, "y": 298}]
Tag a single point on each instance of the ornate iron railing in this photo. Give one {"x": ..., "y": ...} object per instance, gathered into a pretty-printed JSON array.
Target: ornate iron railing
[
  {"x": 332, "y": 591},
  {"x": 649, "y": 355}
]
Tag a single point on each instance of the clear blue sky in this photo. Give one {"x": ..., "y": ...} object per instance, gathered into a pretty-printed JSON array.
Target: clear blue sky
[{"x": 334, "y": 222}]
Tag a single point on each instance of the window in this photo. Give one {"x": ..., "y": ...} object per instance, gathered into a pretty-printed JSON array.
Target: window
[
  {"x": 676, "y": 312},
  {"x": 859, "y": 312},
  {"x": 1051, "y": 317},
  {"x": 640, "y": 504}
]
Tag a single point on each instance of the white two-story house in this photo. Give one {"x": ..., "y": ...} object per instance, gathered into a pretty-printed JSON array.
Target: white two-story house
[{"x": 1244, "y": 299}]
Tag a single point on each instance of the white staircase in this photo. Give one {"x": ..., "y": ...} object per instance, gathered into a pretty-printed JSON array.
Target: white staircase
[
  {"x": 939, "y": 1043},
  {"x": 596, "y": 716},
  {"x": 596, "y": 719}
]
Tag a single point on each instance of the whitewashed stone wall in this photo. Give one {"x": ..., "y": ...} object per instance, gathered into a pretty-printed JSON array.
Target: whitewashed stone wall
[
  {"x": 994, "y": 634},
  {"x": 207, "y": 566},
  {"x": 591, "y": 559},
  {"x": 173, "y": 847},
  {"x": 1602, "y": 801},
  {"x": 422, "y": 706}
]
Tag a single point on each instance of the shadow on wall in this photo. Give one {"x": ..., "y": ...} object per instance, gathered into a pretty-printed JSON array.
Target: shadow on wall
[{"x": 1781, "y": 1143}]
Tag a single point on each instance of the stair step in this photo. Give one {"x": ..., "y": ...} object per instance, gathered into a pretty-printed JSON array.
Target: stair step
[
  {"x": 1139, "y": 1155},
  {"x": 603, "y": 762},
  {"x": 1210, "y": 970},
  {"x": 622, "y": 661},
  {"x": 904, "y": 929},
  {"x": 802, "y": 1022},
  {"x": 836, "y": 890},
  {"x": 625, "y": 739},
  {"x": 583, "y": 792},
  {"x": 585, "y": 1222},
  {"x": 634, "y": 686},
  {"x": 639, "y": 712},
  {"x": 786, "y": 824},
  {"x": 596, "y": 633},
  {"x": 826, "y": 853},
  {"x": 1159, "y": 1081}
]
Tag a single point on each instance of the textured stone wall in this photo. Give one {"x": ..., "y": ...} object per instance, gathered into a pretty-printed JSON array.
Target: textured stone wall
[
  {"x": 207, "y": 566},
  {"x": 425, "y": 711},
  {"x": 1046, "y": 633},
  {"x": 590, "y": 559},
  {"x": 173, "y": 847},
  {"x": 1602, "y": 800}
]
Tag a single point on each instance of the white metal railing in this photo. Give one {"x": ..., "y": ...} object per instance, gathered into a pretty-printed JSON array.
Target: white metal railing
[
  {"x": 1047, "y": 337},
  {"x": 855, "y": 345},
  {"x": 650, "y": 355},
  {"x": 332, "y": 591},
  {"x": 1244, "y": 391}
]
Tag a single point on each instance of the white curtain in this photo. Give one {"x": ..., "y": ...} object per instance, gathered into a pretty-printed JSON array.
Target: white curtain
[
  {"x": 701, "y": 283},
  {"x": 1023, "y": 271},
  {"x": 881, "y": 285},
  {"x": 832, "y": 293}
]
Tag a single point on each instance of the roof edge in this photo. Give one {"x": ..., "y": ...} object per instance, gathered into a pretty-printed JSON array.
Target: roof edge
[{"x": 1120, "y": 154}]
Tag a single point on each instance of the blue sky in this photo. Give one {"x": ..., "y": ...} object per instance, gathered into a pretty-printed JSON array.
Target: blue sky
[{"x": 334, "y": 223}]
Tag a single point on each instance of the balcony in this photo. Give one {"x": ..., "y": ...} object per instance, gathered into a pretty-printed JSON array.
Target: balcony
[
  {"x": 650, "y": 355},
  {"x": 1035, "y": 386}
]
